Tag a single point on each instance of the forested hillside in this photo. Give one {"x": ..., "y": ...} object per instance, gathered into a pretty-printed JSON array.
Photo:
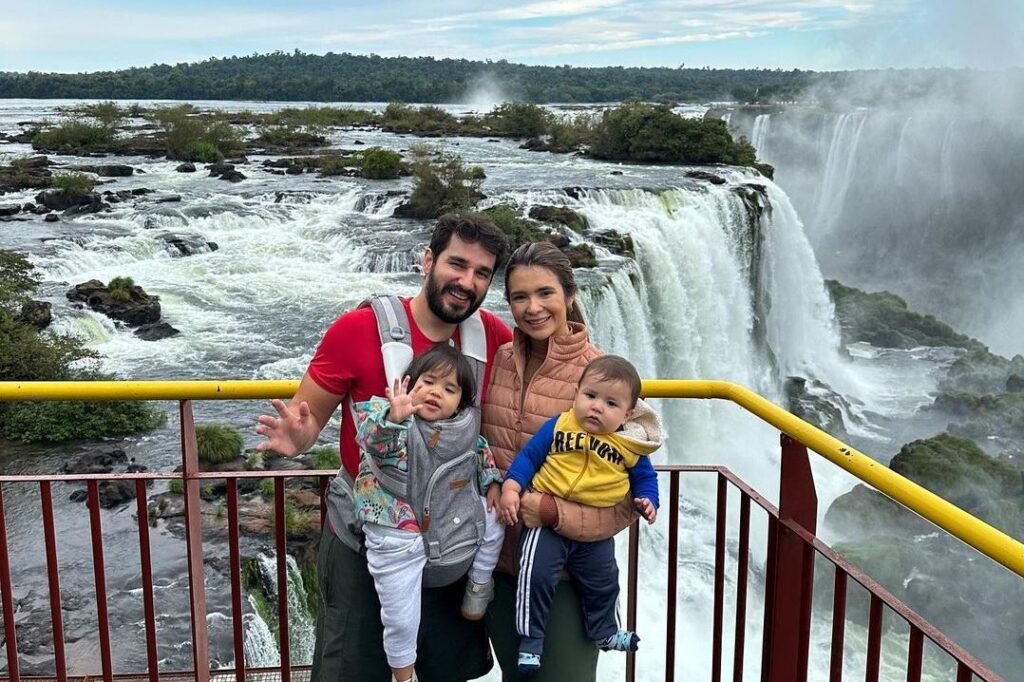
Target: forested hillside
[{"x": 345, "y": 77}]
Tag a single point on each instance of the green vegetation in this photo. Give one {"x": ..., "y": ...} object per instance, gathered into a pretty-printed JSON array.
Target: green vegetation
[
  {"x": 73, "y": 184},
  {"x": 518, "y": 229},
  {"x": 296, "y": 76},
  {"x": 443, "y": 184},
  {"x": 326, "y": 457},
  {"x": 254, "y": 460},
  {"x": 290, "y": 136},
  {"x": 176, "y": 486},
  {"x": 426, "y": 120},
  {"x": 191, "y": 136},
  {"x": 74, "y": 134},
  {"x": 29, "y": 355},
  {"x": 637, "y": 131},
  {"x": 381, "y": 164},
  {"x": 218, "y": 443},
  {"x": 267, "y": 487},
  {"x": 121, "y": 288},
  {"x": 883, "y": 319},
  {"x": 518, "y": 120}
]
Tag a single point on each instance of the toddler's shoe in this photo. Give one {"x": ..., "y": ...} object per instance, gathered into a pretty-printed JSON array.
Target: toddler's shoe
[
  {"x": 529, "y": 665},
  {"x": 476, "y": 599},
  {"x": 623, "y": 640}
]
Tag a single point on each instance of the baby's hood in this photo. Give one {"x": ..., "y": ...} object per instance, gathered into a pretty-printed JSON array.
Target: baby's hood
[{"x": 643, "y": 430}]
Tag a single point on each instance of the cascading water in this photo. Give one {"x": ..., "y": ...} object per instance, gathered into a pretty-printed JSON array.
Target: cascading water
[{"x": 300, "y": 621}]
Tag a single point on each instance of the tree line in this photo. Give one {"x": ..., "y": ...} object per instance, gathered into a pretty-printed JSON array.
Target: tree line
[{"x": 299, "y": 76}]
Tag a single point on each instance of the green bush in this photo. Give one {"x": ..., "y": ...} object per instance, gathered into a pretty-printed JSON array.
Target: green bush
[
  {"x": 637, "y": 131},
  {"x": 427, "y": 120},
  {"x": 218, "y": 443},
  {"x": 518, "y": 229},
  {"x": 201, "y": 152},
  {"x": 381, "y": 164},
  {"x": 176, "y": 486},
  {"x": 326, "y": 457},
  {"x": 74, "y": 133},
  {"x": 73, "y": 184},
  {"x": 125, "y": 283},
  {"x": 76, "y": 420},
  {"x": 442, "y": 184},
  {"x": 267, "y": 487},
  {"x": 107, "y": 113},
  {"x": 519, "y": 120},
  {"x": 183, "y": 128},
  {"x": 254, "y": 460},
  {"x": 289, "y": 136}
]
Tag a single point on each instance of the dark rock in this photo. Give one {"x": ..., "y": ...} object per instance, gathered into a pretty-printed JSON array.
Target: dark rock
[
  {"x": 706, "y": 175},
  {"x": 766, "y": 170},
  {"x": 37, "y": 314},
  {"x": 156, "y": 331},
  {"x": 581, "y": 255},
  {"x": 95, "y": 462},
  {"x": 31, "y": 162},
  {"x": 232, "y": 176},
  {"x": 358, "y": 142},
  {"x": 615, "y": 172},
  {"x": 814, "y": 402},
  {"x": 28, "y": 207},
  {"x": 185, "y": 244},
  {"x": 139, "y": 309},
  {"x": 294, "y": 170},
  {"x": 41, "y": 210},
  {"x": 51, "y": 218},
  {"x": 217, "y": 169},
  {"x": 1015, "y": 383},
  {"x": 95, "y": 206},
  {"x": 617, "y": 243},
  {"x": 169, "y": 199},
  {"x": 535, "y": 144},
  {"x": 139, "y": 191},
  {"x": 560, "y": 215},
  {"x": 113, "y": 170},
  {"x": 409, "y": 210},
  {"x": 574, "y": 192},
  {"x": 116, "y": 493},
  {"x": 186, "y": 168},
  {"x": 56, "y": 200},
  {"x": 212, "y": 246},
  {"x": 9, "y": 210},
  {"x": 79, "y": 496}
]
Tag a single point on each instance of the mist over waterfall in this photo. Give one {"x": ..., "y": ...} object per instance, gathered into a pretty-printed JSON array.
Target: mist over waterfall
[{"x": 918, "y": 197}]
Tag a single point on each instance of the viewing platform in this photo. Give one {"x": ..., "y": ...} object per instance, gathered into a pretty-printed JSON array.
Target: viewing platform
[{"x": 791, "y": 551}]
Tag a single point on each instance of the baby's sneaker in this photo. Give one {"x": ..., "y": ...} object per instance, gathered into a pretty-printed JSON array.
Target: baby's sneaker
[
  {"x": 476, "y": 599},
  {"x": 529, "y": 665},
  {"x": 623, "y": 640}
]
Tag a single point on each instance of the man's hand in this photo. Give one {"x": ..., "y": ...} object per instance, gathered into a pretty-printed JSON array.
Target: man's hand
[
  {"x": 290, "y": 432},
  {"x": 646, "y": 508},
  {"x": 493, "y": 496},
  {"x": 403, "y": 403},
  {"x": 510, "y": 502}
]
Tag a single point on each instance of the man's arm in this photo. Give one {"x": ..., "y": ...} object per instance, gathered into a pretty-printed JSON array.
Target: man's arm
[{"x": 297, "y": 424}]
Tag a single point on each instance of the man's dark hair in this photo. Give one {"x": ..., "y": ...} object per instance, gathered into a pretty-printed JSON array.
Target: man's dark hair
[
  {"x": 444, "y": 358},
  {"x": 471, "y": 228},
  {"x": 615, "y": 368}
]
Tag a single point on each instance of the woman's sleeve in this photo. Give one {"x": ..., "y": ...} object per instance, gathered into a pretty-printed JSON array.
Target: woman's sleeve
[{"x": 588, "y": 524}]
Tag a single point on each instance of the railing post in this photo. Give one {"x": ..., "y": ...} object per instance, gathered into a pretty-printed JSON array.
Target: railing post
[
  {"x": 788, "y": 594},
  {"x": 194, "y": 542}
]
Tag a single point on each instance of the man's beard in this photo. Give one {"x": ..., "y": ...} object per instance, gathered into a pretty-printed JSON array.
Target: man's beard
[{"x": 435, "y": 301}]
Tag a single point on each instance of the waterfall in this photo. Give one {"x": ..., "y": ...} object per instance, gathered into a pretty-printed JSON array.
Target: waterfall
[
  {"x": 259, "y": 642},
  {"x": 759, "y": 137},
  {"x": 901, "y": 152},
  {"x": 300, "y": 621},
  {"x": 946, "y": 178},
  {"x": 839, "y": 165}
]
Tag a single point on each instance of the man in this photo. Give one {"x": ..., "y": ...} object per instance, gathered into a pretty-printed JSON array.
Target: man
[{"x": 464, "y": 252}]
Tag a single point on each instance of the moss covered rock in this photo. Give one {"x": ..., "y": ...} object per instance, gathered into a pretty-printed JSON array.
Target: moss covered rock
[{"x": 884, "y": 320}]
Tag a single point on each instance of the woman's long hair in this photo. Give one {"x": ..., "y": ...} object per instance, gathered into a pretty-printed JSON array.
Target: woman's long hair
[{"x": 547, "y": 255}]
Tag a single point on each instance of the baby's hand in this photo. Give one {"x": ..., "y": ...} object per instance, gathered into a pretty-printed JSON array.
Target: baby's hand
[
  {"x": 646, "y": 508},
  {"x": 403, "y": 403},
  {"x": 493, "y": 496},
  {"x": 509, "y": 506}
]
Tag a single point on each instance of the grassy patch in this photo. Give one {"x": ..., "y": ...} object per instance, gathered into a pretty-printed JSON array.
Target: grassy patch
[{"x": 218, "y": 443}]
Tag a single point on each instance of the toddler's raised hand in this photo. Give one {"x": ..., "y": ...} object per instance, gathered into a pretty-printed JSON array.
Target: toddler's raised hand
[{"x": 403, "y": 403}]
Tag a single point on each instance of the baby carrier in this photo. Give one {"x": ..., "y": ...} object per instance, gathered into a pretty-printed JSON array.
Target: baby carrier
[{"x": 441, "y": 481}]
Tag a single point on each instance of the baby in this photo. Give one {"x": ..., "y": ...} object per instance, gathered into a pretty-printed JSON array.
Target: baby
[{"x": 593, "y": 454}]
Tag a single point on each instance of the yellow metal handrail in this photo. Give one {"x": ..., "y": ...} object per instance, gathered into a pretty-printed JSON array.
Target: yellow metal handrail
[{"x": 988, "y": 540}]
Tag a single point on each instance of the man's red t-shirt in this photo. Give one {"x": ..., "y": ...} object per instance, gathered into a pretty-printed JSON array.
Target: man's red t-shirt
[{"x": 348, "y": 363}]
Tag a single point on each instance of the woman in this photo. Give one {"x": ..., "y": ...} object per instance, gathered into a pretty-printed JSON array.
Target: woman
[{"x": 534, "y": 377}]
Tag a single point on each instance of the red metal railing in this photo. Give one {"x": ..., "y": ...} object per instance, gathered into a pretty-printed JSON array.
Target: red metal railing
[{"x": 792, "y": 548}]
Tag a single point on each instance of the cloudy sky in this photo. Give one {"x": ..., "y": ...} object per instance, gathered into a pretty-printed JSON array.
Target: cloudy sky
[{"x": 60, "y": 35}]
